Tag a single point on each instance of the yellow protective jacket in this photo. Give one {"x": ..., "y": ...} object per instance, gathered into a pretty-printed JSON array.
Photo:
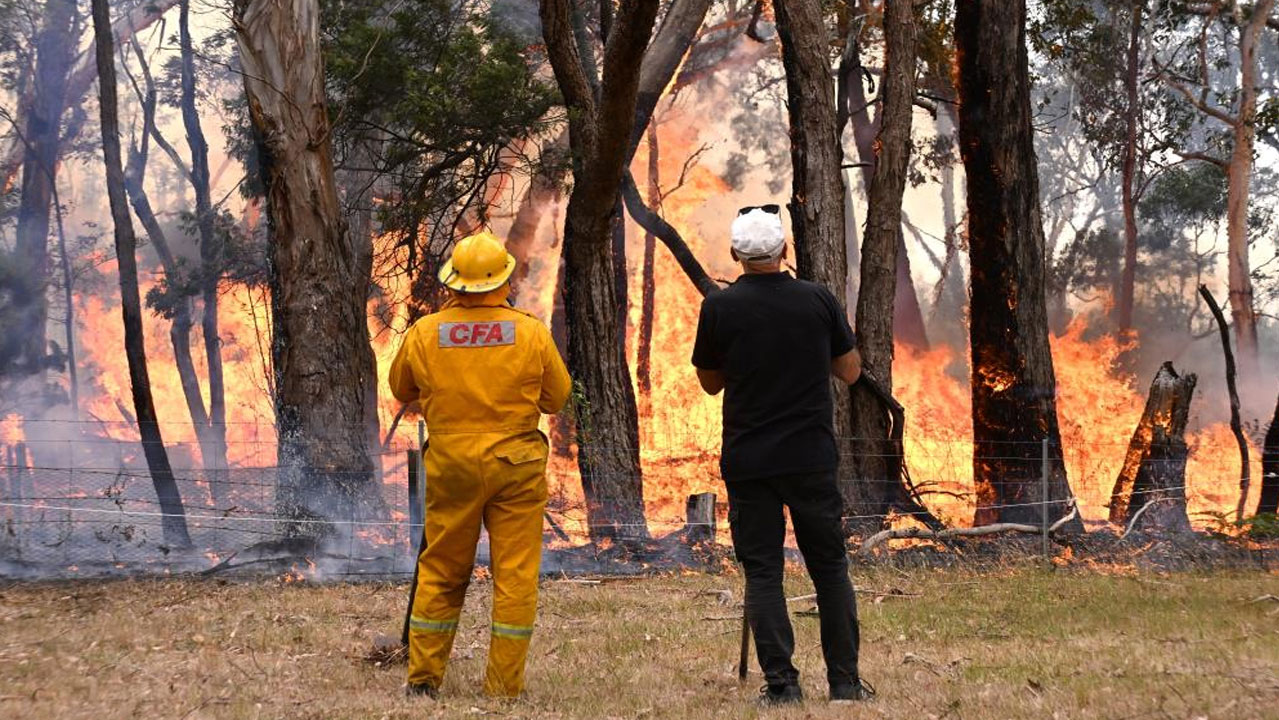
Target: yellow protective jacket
[{"x": 506, "y": 388}]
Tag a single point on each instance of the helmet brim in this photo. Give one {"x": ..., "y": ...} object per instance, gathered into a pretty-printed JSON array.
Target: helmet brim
[{"x": 453, "y": 280}]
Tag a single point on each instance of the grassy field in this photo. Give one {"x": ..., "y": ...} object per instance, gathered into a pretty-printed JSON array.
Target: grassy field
[{"x": 1027, "y": 643}]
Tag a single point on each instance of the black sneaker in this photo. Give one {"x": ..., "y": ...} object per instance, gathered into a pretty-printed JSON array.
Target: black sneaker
[
  {"x": 852, "y": 692},
  {"x": 421, "y": 690},
  {"x": 771, "y": 695}
]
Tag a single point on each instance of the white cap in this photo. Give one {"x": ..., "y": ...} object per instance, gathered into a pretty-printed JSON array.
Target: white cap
[{"x": 758, "y": 235}]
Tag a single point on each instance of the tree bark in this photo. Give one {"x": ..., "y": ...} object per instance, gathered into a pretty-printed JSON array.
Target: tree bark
[
  {"x": 817, "y": 184},
  {"x": 648, "y": 280},
  {"x": 599, "y": 137},
  {"x": 1239, "y": 178},
  {"x": 55, "y": 46},
  {"x": 1013, "y": 384},
  {"x": 211, "y": 262},
  {"x": 1270, "y": 468},
  {"x": 166, "y": 488},
  {"x": 319, "y": 277},
  {"x": 873, "y": 490},
  {"x": 1132, "y": 112},
  {"x": 1154, "y": 471}
]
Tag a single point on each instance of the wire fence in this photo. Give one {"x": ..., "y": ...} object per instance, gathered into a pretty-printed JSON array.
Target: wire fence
[{"x": 86, "y": 506}]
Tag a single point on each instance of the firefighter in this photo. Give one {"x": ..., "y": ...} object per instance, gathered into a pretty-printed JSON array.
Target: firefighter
[{"x": 482, "y": 373}]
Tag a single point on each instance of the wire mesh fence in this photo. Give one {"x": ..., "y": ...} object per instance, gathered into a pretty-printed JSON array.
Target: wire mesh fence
[{"x": 82, "y": 503}]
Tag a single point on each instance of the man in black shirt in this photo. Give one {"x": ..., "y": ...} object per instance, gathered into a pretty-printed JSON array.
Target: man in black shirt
[{"x": 772, "y": 343}]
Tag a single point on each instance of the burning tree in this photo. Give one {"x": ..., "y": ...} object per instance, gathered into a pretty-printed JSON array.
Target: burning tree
[
  {"x": 1151, "y": 488},
  {"x": 1013, "y": 384},
  {"x": 601, "y": 121},
  {"x": 319, "y": 271}
]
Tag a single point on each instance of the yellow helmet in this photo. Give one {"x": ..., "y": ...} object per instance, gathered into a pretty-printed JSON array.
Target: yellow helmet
[{"x": 480, "y": 263}]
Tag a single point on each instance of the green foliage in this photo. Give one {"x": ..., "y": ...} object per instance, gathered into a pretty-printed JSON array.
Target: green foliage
[
  {"x": 1186, "y": 198},
  {"x": 1264, "y": 526},
  {"x": 426, "y": 93}
]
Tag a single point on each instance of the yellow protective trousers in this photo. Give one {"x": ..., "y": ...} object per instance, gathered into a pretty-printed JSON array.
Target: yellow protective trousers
[{"x": 497, "y": 480}]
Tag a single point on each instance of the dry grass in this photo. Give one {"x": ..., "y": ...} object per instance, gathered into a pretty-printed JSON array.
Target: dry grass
[{"x": 1027, "y": 643}]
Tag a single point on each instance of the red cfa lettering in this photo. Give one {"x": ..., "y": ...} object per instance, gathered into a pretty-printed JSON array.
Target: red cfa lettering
[{"x": 476, "y": 334}]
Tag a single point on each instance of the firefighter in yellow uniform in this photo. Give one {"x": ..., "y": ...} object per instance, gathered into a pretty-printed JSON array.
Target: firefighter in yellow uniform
[{"x": 482, "y": 373}]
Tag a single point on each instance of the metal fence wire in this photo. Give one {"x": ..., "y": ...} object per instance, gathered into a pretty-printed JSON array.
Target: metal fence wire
[{"x": 75, "y": 508}]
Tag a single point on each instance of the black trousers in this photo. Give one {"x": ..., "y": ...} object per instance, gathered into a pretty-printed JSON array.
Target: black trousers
[{"x": 759, "y": 530}]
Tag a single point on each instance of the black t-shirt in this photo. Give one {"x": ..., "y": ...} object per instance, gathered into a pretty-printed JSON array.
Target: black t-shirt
[{"x": 773, "y": 337}]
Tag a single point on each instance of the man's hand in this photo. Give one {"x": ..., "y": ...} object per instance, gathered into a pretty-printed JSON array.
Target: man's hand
[
  {"x": 713, "y": 380},
  {"x": 846, "y": 367}
]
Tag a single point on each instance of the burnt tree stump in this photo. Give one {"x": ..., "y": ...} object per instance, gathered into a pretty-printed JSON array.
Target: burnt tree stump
[
  {"x": 1270, "y": 468},
  {"x": 700, "y": 525},
  {"x": 1153, "y": 479}
]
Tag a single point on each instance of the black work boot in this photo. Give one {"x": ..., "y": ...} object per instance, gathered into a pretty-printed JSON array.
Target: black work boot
[
  {"x": 425, "y": 690},
  {"x": 852, "y": 692},
  {"x": 771, "y": 695}
]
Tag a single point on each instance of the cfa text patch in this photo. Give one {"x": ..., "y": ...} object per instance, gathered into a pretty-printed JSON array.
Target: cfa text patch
[{"x": 477, "y": 334}]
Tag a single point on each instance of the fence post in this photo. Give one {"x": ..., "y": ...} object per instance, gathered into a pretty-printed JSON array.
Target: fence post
[{"x": 1043, "y": 495}]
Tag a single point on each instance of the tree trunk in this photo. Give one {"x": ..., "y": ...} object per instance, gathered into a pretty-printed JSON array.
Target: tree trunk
[
  {"x": 1013, "y": 385},
  {"x": 621, "y": 293},
  {"x": 1232, "y": 389},
  {"x": 166, "y": 487},
  {"x": 873, "y": 491},
  {"x": 1132, "y": 111},
  {"x": 1153, "y": 479},
  {"x": 600, "y": 127},
  {"x": 1239, "y": 177},
  {"x": 817, "y": 183},
  {"x": 946, "y": 317},
  {"x": 908, "y": 317},
  {"x": 648, "y": 281},
  {"x": 319, "y": 278},
  {"x": 1270, "y": 468},
  {"x": 180, "y": 329},
  {"x": 211, "y": 262},
  {"x": 68, "y": 299},
  {"x": 42, "y": 135}
]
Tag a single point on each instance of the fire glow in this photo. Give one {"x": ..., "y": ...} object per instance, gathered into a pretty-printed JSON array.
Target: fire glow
[{"x": 1098, "y": 405}]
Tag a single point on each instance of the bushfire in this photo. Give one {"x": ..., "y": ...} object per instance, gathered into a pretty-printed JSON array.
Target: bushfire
[{"x": 1099, "y": 403}]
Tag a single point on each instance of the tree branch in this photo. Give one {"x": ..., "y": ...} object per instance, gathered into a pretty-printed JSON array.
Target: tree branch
[
  {"x": 869, "y": 545},
  {"x": 670, "y": 237}
]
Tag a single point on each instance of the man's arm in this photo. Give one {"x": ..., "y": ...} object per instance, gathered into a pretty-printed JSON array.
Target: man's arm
[
  {"x": 556, "y": 383},
  {"x": 706, "y": 356},
  {"x": 712, "y": 380},
  {"x": 847, "y": 367},
  {"x": 404, "y": 386}
]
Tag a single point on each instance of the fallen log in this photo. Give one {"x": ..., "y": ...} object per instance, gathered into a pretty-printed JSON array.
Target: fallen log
[
  {"x": 918, "y": 533},
  {"x": 1151, "y": 487}
]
